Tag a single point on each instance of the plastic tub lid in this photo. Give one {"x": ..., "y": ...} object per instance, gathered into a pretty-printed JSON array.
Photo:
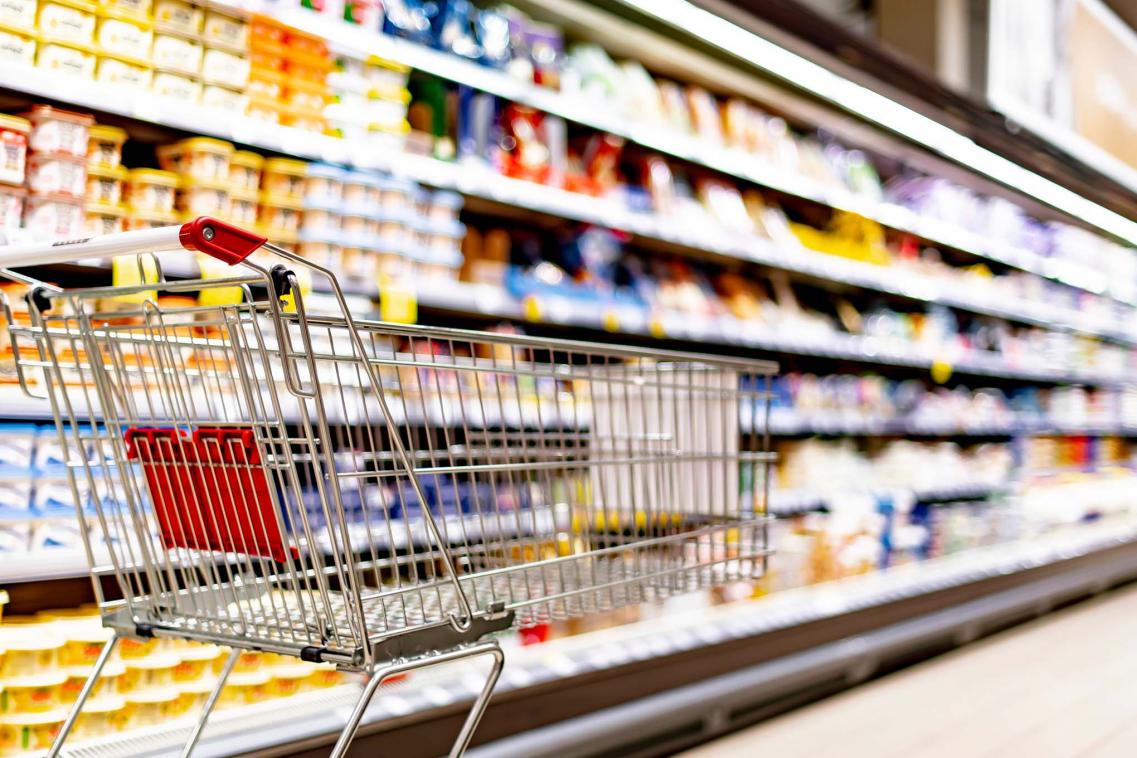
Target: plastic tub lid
[
  {"x": 206, "y": 145},
  {"x": 122, "y": 13},
  {"x": 366, "y": 178},
  {"x": 323, "y": 203},
  {"x": 44, "y": 679},
  {"x": 47, "y": 113},
  {"x": 396, "y": 184},
  {"x": 326, "y": 171},
  {"x": 83, "y": 5},
  {"x": 247, "y": 159},
  {"x": 453, "y": 229},
  {"x": 55, "y": 716},
  {"x": 154, "y": 694},
  {"x": 104, "y": 133},
  {"x": 15, "y": 124},
  {"x": 288, "y": 166},
  {"x": 108, "y": 172},
  {"x": 281, "y": 201},
  {"x": 154, "y": 176}
]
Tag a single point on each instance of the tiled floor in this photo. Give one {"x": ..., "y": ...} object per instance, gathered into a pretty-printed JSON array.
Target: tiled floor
[{"x": 1064, "y": 686}]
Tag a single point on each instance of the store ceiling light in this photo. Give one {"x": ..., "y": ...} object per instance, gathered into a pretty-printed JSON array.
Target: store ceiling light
[{"x": 872, "y": 106}]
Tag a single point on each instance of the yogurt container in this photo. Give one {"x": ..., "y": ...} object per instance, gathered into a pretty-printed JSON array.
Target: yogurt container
[
  {"x": 124, "y": 34},
  {"x": 199, "y": 197},
  {"x": 196, "y": 663},
  {"x": 104, "y": 185},
  {"x": 200, "y": 158},
  {"x": 83, "y": 641},
  {"x": 245, "y": 170},
  {"x": 127, "y": 72},
  {"x": 362, "y": 188},
  {"x": 67, "y": 20},
  {"x": 243, "y": 207},
  {"x": 175, "y": 85},
  {"x": 284, "y": 177},
  {"x": 24, "y": 733},
  {"x": 245, "y": 689},
  {"x": 13, "y": 148},
  {"x": 224, "y": 99},
  {"x": 324, "y": 182},
  {"x": 73, "y": 58},
  {"x": 99, "y": 718},
  {"x": 107, "y": 683},
  {"x": 57, "y": 174},
  {"x": 17, "y": 46},
  {"x": 146, "y": 219},
  {"x": 151, "y": 190},
  {"x": 228, "y": 69},
  {"x": 224, "y": 30},
  {"x": 32, "y": 694},
  {"x": 11, "y": 211},
  {"x": 146, "y": 708},
  {"x": 178, "y": 16},
  {"x": 58, "y": 131},
  {"x": 280, "y": 212},
  {"x": 155, "y": 671},
  {"x": 173, "y": 52},
  {"x": 53, "y": 217},
  {"x": 288, "y": 680},
  {"x": 19, "y": 14},
  {"x": 135, "y": 7},
  {"x": 104, "y": 146}
]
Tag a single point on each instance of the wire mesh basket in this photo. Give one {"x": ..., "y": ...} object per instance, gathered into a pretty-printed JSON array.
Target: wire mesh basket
[{"x": 367, "y": 494}]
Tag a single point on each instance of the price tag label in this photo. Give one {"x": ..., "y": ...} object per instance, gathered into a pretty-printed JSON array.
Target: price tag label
[
  {"x": 132, "y": 270},
  {"x": 211, "y": 268},
  {"x": 398, "y": 300}
]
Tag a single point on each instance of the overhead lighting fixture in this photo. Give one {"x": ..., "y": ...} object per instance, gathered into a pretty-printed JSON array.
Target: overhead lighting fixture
[{"x": 872, "y": 106}]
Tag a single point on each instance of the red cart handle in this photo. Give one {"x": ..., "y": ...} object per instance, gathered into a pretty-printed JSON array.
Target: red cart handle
[{"x": 224, "y": 242}]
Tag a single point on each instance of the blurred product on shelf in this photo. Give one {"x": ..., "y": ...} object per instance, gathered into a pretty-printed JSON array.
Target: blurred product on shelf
[{"x": 147, "y": 683}]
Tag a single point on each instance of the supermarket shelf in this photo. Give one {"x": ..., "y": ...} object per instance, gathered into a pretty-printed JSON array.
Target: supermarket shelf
[
  {"x": 363, "y": 44},
  {"x": 835, "y": 424},
  {"x": 788, "y": 502},
  {"x": 481, "y": 182},
  {"x": 487, "y": 301},
  {"x": 553, "y": 667}
]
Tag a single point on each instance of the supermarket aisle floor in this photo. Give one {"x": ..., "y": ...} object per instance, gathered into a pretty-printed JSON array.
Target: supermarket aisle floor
[{"x": 1062, "y": 686}]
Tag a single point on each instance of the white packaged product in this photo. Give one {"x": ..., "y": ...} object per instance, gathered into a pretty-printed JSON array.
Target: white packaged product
[
  {"x": 224, "y": 68},
  {"x": 223, "y": 98},
  {"x": 53, "y": 217},
  {"x": 176, "y": 53},
  {"x": 51, "y": 174},
  {"x": 18, "y": 14},
  {"x": 58, "y": 131},
  {"x": 67, "y": 58},
  {"x": 17, "y": 445},
  {"x": 223, "y": 29},
  {"x": 124, "y": 36},
  {"x": 15, "y": 496},
  {"x": 176, "y": 85},
  {"x": 11, "y": 207},
  {"x": 127, "y": 73},
  {"x": 17, "y": 47},
  {"x": 67, "y": 20}
]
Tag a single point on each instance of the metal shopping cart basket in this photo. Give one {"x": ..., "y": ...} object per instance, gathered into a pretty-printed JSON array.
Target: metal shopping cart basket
[{"x": 376, "y": 496}]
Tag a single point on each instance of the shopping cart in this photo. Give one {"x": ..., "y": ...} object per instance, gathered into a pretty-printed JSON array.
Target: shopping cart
[{"x": 375, "y": 496}]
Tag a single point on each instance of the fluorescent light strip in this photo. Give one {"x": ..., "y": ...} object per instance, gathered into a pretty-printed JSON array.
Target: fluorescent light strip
[{"x": 871, "y": 106}]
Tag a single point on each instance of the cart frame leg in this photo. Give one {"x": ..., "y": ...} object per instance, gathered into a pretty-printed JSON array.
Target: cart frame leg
[
  {"x": 476, "y": 710},
  {"x": 77, "y": 707},
  {"x": 203, "y": 717}
]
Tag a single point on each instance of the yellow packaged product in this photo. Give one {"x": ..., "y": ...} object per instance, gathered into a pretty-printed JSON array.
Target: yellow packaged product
[
  {"x": 131, "y": 647},
  {"x": 224, "y": 99},
  {"x": 13, "y": 148},
  {"x": 176, "y": 85},
  {"x": 104, "y": 146},
  {"x": 280, "y": 212},
  {"x": 305, "y": 118},
  {"x": 106, "y": 684},
  {"x": 17, "y": 47},
  {"x": 98, "y": 718},
  {"x": 243, "y": 207},
  {"x": 248, "y": 662},
  {"x": 124, "y": 33},
  {"x": 198, "y": 197},
  {"x": 155, "y": 671},
  {"x": 71, "y": 58},
  {"x": 266, "y": 109},
  {"x": 146, "y": 708},
  {"x": 289, "y": 680},
  {"x": 174, "y": 52},
  {"x": 67, "y": 20},
  {"x": 23, "y": 733},
  {"x": 104, "y": 185},
  {"x": 201, "y": 158},
  {"x": 178, "y": 16},
  {"x": 244, "y": 689},
  {"x": 127, "y": 72},
  {"x": 151, "y": 190},
  {"x": 83, "y": 638},
  {"x": 134, "y": 7},
  {"x": 192, "y": 695},
  {"x": 148, "y": 219},
  {"x": 18, "y": 15},
  {"x": 195, "y": 663},
  {"x": 219, "y": 66},
  {"x": 284, "y": 177},
  {"x": 223, "y": 29},
  {"x": 324, "y": 675},
  {"x": 245, "y": 170},
  {"x": 32, "y": 694},
  {"x": 28, "y": 654}
]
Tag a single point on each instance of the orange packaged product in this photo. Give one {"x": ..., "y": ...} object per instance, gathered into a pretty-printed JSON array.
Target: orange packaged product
[
  {"x": 266, "y": 35},
  {"x": 303, "y": 94},
  {"x": 266, "y": 83},
  {"x": 266, "y": 109},
  {"x": 304, "y": 118}
]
